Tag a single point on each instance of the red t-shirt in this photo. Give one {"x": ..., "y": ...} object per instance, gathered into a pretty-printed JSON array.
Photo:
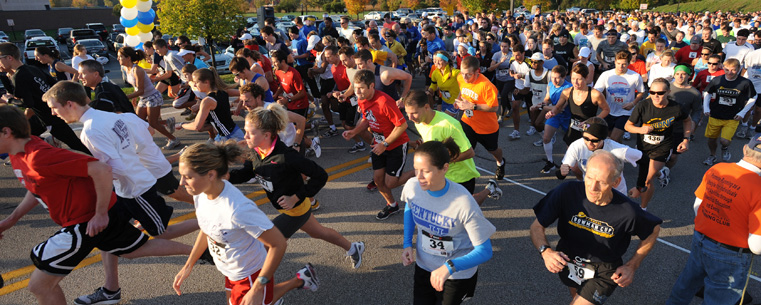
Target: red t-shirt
[
  {"x": 58, "y": 177},
  {"x": 292, "y": 84},
  {"x": 266, "y": 65},
  {"x": 340, "y": 77},
  {"x": 704, "y": 78},
  {"x": 383, "y": 115},
  {"x": 685, "y": 55},
  {"x": 639, "y": 66}
]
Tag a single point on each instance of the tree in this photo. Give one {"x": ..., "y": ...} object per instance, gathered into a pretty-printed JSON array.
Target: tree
[
  {"x": 393, "y": 4},
  {"x": 288, "y": 6},
  {"x": 413, "y": 4},
  {"x": 546, "y": 5},
  {"x": 448, "y": 5},
  {"x": 354, "y": 7},
  {"x": 117, "y": 10},
  {"x": 83, "y": 3}
]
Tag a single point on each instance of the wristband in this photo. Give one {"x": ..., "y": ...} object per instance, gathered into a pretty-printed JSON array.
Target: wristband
[{"x": 450, "y": 267}]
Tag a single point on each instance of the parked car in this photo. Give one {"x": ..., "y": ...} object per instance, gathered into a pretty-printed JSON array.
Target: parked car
[
  {"x": 288, "y": 18},
  {"x": 63, "y": 33},
  {"x": 358, "y": 24},
  {"x": 254, "y": 30},
  {"x": 80, "y": 34},
  {"x": 117, "y": 28},
  {"x": 33, "y": 43},
  {"x": 99, "y": 29},
  {"x": 223, "y": 59},
  {"x": 402, "y": 12},
  {"x": 432, "y": 14},
  {"x": 4, "y": 36},
  {"x": 94, "y": 47},
  {"x": 589, "y": 11},
  {"x": 373, "y": 16},
  {"x": 118, "y": 42},
  {"x": 29, "y": 34},
  {"x": 414, "y": 17}
]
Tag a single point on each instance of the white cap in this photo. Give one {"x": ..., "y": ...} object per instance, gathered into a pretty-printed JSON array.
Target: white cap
[
  {"x": 584, "y": 52},
  {"x": 625, "y": 37},
  {"x": 312, "y": 41},
  {"x": 537, "y": 56},
  {"x": 751, "y": 37},
  {"x": 184, "y": 52},
  {"x": 246, "y": 36}
]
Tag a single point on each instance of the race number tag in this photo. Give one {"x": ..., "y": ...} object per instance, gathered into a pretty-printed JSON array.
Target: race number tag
[
  {"x": 469, "y": 113},
  {"x": 437, "y": 245},
  {"x": 266, "y": 184},
  {"x": 216, "y": 248},
  {"x": 446, "y": 95},
  {"x": 353, "y": 101},
  {"x": 577, "y": 125},
  {"x": 726, "y": 101},
  {"x": 693, "y": 55},
  {"x": 609, "y": 59},
  {"x": 503, "y": 72},
  {"x": 578, "y": 272},
  {"x": 618, "y": 99},
  {"x": 653, "y": 139},
  {"x": 483, "y": 69},
  {"x": 379, "y": 138}
]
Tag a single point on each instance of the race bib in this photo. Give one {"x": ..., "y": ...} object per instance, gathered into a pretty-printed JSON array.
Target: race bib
[
  {"x": 579, "y": 272},
  {"x": 379, "y": 138},
  {"x": 437, "y": 245},
  {"x": 503, "y": 72},
  {"x": 266, "y": 184},
  {"x": 653, "y": 139},
  {"x": 609, "y": 59},
  {"x": 693, "y": 54},
  {"x": 215, "y": 248},
  {"x": 446, "y": 95},
  {"x": 483, "y": 69},
  {"x": 577, "y": 125},
  {"x": 726, "y": 101},
  {"x": 469, "y": 113},
  {"x": 353, "y": 100},
  {"x": 618, "y": 99}
]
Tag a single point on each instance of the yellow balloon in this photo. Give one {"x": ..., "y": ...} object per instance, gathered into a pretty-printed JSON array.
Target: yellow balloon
[
  {"x": 145, "y": 28},
  {"x": 128, "y": 3},
  {"x": 133, "y": 31}
]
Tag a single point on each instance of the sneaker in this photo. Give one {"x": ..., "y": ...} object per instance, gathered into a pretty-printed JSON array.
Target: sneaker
[
  {"x": 191, "y": 117},
  {"x": 316, "y": 147},
  {"x": 356, "y": 257},
  {"x": 627, "y": 135},
  {"x": 371, "y": 186},
  {"x": 357, "y": 147},
  {"x": 171, "y": 144},
  {"x": 548, "y": 166},
  {"x": 500, "y": 173},
  {"x": 387, "y": 211},
  {"x": 726, "y": 155},
  {"x": 99, "y": 297},
  {"x": 187, "y": 111},
  {"x": 515, "y": 135},
  {"x": 539, "y": 143},
  {"x": 742, "y": 131},
  {"x": 315, "y": 205},
  {"x": 309, "y": 276},
  {"x": 182, "y": 150},
  {"x": 210, "y": 141},
  {"x": 711, "y": 160},
  {"x": 531, "y": 130},
  {"x": 665, "y": 176},
  {"x": 206, "y": 258},
  {"x": 499, "y": 119},
  {"x": 170, "y": 124},
  {"x": 494, "y": 191},
  {"x": 330, "y": 133}
]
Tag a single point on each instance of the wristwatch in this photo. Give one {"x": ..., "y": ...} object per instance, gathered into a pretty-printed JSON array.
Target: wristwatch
[
  {"x": 289, "y": 99},
  {"x": 263, "y": 280},
  {"x": 295, "y": 145},
  {"x": 451, "y": 265},
  {"x": 543, "y": 248},
  {"x": 385, "y": 143}
]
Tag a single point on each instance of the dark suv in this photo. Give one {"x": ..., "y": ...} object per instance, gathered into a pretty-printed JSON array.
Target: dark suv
[
  {"x": 63, "y": 33},
  {"x": 80, "y": 34},
  {"x": 100, "y": 29}
]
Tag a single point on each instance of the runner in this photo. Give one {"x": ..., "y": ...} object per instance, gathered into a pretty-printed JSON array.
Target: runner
[
  {"x": 623, "y": 90},
  {"x": 444, "y": 80},
  {"x": 167, "y": 68},
  {"x": 556, "y": 118},
  {"x": 279, "y": 170},
  {"x": 752, "y": 67},
  {"x": 386, "y": 78},
  {"x": 535, "y": 85},
  {"x": 214, "y": 114},
  {"x": 344, "y": 69},
  {"x": 519, "y": 69},
  {"x": 583, "y": 102},
  {"x": 235, "y": 230},
  {"x": 654, "y": 119},
  {"x": 503, "y": 80},
  {"x": 692, "y": 103},
  {"x": 448, "y": 253}
]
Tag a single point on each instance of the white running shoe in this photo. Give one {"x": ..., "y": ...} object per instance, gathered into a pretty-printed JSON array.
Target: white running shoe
[
  {"x": 316, "y": 147},
  {"x": 515, "y": 135},
  {"x": 309, "y": 276},
  {"x": 531, "y": 130},
  {"x": 356, "y": 257}
]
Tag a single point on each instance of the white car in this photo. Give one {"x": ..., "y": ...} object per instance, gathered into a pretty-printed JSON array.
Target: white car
[
  {"x": 431, "y": 15},
  {"x": 373, "y": 16},
  {"x": 40, "y": 41},
  {"x": 223, "y": 59}
]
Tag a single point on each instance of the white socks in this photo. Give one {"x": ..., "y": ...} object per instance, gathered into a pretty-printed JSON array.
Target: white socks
[{"x": 548, "y": 150}]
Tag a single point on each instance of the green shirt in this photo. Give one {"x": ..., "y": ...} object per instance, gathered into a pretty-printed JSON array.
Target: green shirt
[{"x": 443, "y": 126}]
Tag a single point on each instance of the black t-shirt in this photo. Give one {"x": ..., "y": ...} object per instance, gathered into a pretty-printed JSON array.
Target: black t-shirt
[
  {"x": 714, "y": 45},
  {"x": 278, "y": 45},
  {"x": 220, "y": 117},
  {"x": 589, "y": 231},
  {"x": 485, "y": 62},
  {"x": 29, "y": 84},
  {"x": 565, "y": 51},
  {"x": 730, "y": 96},
  {"x": 662, "y": 120},
  {"x": 109, "y": 97}
]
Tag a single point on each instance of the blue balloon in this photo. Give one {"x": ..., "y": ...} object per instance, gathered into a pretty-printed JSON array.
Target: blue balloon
[
  {"x": 128, "y": 23},
  {"x": 146, "y": 17},
  {"x": 139, "y": 46}
]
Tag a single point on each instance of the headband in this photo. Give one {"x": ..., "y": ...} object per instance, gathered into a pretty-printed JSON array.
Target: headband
[
  {"x": 598, "y": 130},
  {"x": 443, "y": 57},
  {"x": 683, "y": 68}
]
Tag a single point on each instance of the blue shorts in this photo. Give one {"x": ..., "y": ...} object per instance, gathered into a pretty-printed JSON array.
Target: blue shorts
[
  {"x": 447, "y": 107},
  {"x": 560, "y": 121},
  {"x": 236, "y": 135}
]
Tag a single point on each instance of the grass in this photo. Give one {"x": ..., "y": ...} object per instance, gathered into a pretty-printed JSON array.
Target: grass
[{"x": 712, "y": 6}]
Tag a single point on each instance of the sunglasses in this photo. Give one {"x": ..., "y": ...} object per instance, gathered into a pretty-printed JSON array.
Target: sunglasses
[
  {"x": 592, "y": 140},
  {"x": 713, "y": 63},
  {"x": 705, "y": 54},
  {"x": 659, "y": 93}
]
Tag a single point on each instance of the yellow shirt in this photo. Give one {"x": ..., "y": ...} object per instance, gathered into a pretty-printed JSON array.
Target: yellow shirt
[
  {"x": 379, "y": 57},
  {"x": 399, "y": 50},
  {"x": 446, "y": 83}
]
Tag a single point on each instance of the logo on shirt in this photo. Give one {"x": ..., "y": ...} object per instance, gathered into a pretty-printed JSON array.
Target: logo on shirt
[
  {"x": 433, "y": 222},
  {"x": 601, "y": 228},
  {"x": 369, "y": 116},
  {"x": 121, "y": 131},
  {"x": 469, "y": 93},
  {"x": 659, "y": 124}
]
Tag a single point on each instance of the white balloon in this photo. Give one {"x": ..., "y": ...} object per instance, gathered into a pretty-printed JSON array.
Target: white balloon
[
  {"x": 129, "y": 13},
  {"x": 132, "y": 41},
  {"x": 145, "y": 37},
  {"x": 144, "y": 6}
]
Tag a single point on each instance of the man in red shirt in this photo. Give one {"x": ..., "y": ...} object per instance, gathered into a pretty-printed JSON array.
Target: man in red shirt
[
  {"x": 78, "y": 192},
  {"x": 685, "y": 55},
  {"x": 291, "y": 93},
  {"x": 389, "y": 148},
  {"x": 704, "y": 77}
]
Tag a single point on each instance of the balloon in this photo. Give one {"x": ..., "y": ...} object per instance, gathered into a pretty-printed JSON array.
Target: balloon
[
  {"x": 145, "y": 28},
  {"x": 129, "y": 13},
  {"x": 133, "y": 31},
  {"x": 145, "y": 36},
  {"x": 139, "y": 46},
  {"x": 132, "y": 41},
  {"x": 146, "y": 17},
  {"x": 144, "y": 6},
  {"x": 128, "y": 3},
  {"x": 128, "y": 23}
]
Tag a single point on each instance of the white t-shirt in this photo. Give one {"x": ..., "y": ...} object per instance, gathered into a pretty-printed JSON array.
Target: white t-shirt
[
  {"x": 347, "y": 33},
  {"x": 659, "y": 70},
  {"x": 318, "y": 62},
  {"x": 582, "y": 40},
  {"x": 76, "y": 60},
  {"x": 619, "y": 89},
  {"x": 578, "y": 154},
  {"x": 110, "y": 139},
  {"x": 150, "y": 154},
  {"x": 752, "y": 64},
  {"x": 520, "y": 68},
  {"x": 652, "y": 58},
  {"x": 448, "y": 226},
  {"x": 732, "y": 50},
  {"x": 232, "y": 224}
]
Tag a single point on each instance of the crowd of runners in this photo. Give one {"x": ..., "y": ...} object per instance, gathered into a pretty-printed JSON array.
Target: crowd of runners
[{"x": 595, "y": 81}]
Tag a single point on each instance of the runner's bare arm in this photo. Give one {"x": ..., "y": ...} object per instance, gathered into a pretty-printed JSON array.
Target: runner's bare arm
[
  {"x": 102, "y": 179},
  {"x": 624, "y": 274},
  {"x": 24, "y": 207}
]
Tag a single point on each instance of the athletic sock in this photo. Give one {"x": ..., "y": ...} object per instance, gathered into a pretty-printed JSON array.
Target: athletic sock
[
  {"x": 109, "y": 292},
  {"x": 393, "y": 204},
  {"x": 548, "y": 150},
  {"x": 500, "y": 162},
  {"x": 744, "y": 123}
]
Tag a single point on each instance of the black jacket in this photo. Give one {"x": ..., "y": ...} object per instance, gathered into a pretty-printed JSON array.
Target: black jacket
[{"x": 109, "y": 97}]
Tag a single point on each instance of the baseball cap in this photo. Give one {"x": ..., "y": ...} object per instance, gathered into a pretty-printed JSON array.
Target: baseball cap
[
  {"x": 246, "y": 36},
  {"x": 695, "y": 39},
  {"x": 625, "y": 37},
  {"x": 184, "y": 52},
  {"x": 312, "y": 41},
  {"x": 754, "y": 143},
  {"x": 537, "y": 57},
  {"x": 584, "y": 52}
]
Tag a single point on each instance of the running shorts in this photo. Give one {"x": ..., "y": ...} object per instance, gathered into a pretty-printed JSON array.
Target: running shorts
[
  {"x": 149, "y": 209},
  {"x": 725, "y": 128},
  {"x": 239, "y": 288},
  {"x": 168, "y": 184},
  {"x": 392, "y": 160},
  {"x": 595, "y": 290},
  {"x": 489, "y": 141},
  {"x": 455, "y": 291}
]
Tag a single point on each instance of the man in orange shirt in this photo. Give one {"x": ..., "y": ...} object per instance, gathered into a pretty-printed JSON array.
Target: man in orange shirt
[
  {"x": 727, "y": 231},
  {"x": 478, "y": 99}
]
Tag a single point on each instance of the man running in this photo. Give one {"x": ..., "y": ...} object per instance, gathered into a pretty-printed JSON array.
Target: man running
[{"x": 623, "y": 90}]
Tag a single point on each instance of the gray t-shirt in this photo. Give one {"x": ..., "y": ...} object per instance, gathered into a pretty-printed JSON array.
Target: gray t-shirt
[
  {"x": 691, "y": 102},
  {"x": 503, "y": 70},
  {"x": 173, "y": 62},
  {"x": 608, "y": 51},
  {"x": 448, "y": 226}
]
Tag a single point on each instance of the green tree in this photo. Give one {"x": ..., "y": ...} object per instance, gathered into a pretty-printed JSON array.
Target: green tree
[
  {"x": 117, "y": 10},
  {"x": 354, "y": 7},
  {"x": 288, "y": 6}
]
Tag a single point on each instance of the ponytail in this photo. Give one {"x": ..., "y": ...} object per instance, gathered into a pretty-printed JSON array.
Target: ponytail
[{"x": 203, "y": 157}]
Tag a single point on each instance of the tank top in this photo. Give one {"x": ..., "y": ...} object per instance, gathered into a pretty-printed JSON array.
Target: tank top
[
  {"x": 149, "y": 88},
  {"x": 538, "y": 86},
  {"x": 579, "y": 114},
  {"x": 327, "y": 74},
  {"x": 58, "y": 75},
  {"x": 387, "y": 89},
  {"x": 700, "y": 66},
  {"x": 220, "y": 117},
  {"x": 267, "y": 94}
]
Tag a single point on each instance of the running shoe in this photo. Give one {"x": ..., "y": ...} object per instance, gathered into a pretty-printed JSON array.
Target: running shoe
[
  {"x": 191, "y": 117},
  {"x": 539, "y": 143},
  {"x": 726, "y": 155},
  {"x": 330, "y": 133},
  {"x": 500, "y": 173},
  {"x": 387, "y": 211},
  {"x": 371, "y": 186},
  {"x": 531, "y": 130},
  {"x": 627, "y": 135},
  {"x": 170, "y": 124},
  {"x": 171, "y": 144},
  {"x": 309, "y": 276},
  {"x": 99, "y": 297},
  {"x": 206, "y": 258},
  {"x": 315, "y": 205},
  {"x": 742, "y": 131},
  {"x": 316, "y": 147},
  {"x": 182, "y": 150},
  {"x": 187, "y": 111},
  {"x": 357, "y": 147},
  {"x": 494, "y": 191},
  {"x": 711, "y": 160},
  {"x": 515, "y": 135},
  {"x": 548, "y": 166},
  {"x": 356, "y": 257},
  {"x": 665, "y": 176}
]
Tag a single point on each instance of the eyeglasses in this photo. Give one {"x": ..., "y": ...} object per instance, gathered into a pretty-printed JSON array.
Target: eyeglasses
[
  {"x": 237, "y": 73},
  {"x": 705, "y": 54},
  {"x": 592, "y": 140},
  {"x": 659, "y": 93},
  {"x": 713, "y": 63}
]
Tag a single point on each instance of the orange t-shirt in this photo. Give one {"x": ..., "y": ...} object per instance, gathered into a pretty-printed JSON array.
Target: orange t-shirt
[
  {"x": 481, "y": 92},
  {"x": 731, "y": 207}
]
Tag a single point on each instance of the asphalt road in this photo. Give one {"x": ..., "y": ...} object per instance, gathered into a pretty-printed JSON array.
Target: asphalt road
[{"x": 515, "y": 275}]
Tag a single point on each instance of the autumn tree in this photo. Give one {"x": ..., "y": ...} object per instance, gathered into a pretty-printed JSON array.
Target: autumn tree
[
  {"x": 546, "y": 5},
  {"x": 354, "y": 7},
  {"x": 83, "y": 3},
  {"x": 413, "y": 4},
  {"x": 394, "y": 4}
]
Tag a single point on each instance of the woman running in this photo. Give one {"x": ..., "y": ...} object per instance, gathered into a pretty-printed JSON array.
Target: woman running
[
  {"x": 80, "y": 55},
  {"x": 444, "y": 79},
  {"x": 234, "y": 230},
  {"x": 56, "y": 67},
  {"x": 214, "y": 109},
  {"x": 279, "y": 170},
  {"x": 452, "y": 232},
  {"x": 583, "y": 102}
]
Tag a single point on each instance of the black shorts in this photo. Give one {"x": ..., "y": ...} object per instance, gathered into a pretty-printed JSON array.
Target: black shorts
[
  {"x": 168, "y": 184},
  {"x": 489, "y": 141},
  {"x": 392, "y": 160},
  {"x": 149, "y": 209},
  {"x": 505, "y": 91},
  {"x": 327, "y": 86},
  {"x": 348, "y": 114},
  {"x": 595, "y": 290},
  {"x": 63, "y": 251},
  {"x": 617, "y": 122},
  {"x": 661, "y": 153},
  {"x": 524, "y": 98},
  {"x": 288, "y": 225},
  {"x": 455, "y": 291},
  {"x": 301, "y": 112},
  {"x": 470, "y": 185},
  {"x": 172, "y": 81}
]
